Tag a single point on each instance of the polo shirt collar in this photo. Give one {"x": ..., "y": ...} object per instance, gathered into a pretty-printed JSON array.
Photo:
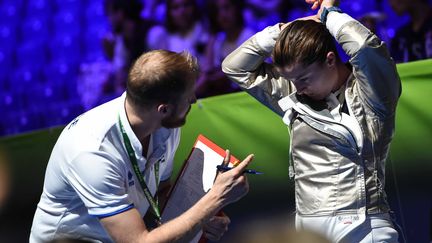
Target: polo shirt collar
[
  {"x": 158, "y": 137},
  {"x": 136, "y": 144}
]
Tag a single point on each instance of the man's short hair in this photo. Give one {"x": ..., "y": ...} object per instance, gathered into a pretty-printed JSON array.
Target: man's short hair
[
  {"x": 161, "y": 76},
  {"x": 303, "y": 42}
]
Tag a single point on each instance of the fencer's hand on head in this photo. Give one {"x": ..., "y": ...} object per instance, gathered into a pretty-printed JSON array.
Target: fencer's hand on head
[
  {"x": 311, "y": 17},
  {"x": 315, "y": 3},
  {"x": 320, "y": 4},
  {"x": 232, "y": 185}
]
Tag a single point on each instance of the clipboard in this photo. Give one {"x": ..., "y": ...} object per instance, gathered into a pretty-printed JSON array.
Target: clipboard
[{"x": 195, "y": 179}]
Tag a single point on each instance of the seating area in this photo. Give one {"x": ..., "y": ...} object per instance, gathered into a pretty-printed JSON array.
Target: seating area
[
  {"x": 45, "y": 45},
  {"x": 42, "y": 45}
]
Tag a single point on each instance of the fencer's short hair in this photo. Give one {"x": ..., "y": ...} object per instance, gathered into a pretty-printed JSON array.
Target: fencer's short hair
[
  {"x": 160, "y": 76},
  {"x": 303, "y": 42}
]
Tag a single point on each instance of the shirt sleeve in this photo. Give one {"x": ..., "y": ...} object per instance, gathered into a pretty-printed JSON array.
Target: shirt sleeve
[
  {"x": 378, "y": 83},
  {"x": 247, "y": 67},
  {"x": 100, "y": 182}
]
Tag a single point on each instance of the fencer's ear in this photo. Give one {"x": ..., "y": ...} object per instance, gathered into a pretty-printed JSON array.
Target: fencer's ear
[{"x": 331, "y": 59}]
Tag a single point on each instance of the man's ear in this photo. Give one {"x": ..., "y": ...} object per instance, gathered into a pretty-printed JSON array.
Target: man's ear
[
  {"x": 331, "y": 59},
  {"x": 164, "y": 109}
]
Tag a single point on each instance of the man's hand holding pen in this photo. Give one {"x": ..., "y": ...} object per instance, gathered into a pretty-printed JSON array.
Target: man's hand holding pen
[
  {"x": 232, "y": 184},
  {"x": 229, "y": 187}
]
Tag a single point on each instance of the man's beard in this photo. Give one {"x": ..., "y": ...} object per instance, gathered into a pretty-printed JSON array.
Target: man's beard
[{"x": 174, "y": 122}]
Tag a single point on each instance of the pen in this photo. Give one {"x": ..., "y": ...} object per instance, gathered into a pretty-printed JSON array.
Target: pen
[{"x": 249, "y": 171}]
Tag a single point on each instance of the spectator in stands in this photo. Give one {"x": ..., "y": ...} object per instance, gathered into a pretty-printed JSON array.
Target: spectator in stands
[
  {"x": 127, "y": 40},
  {"x": 374, "y": 20},
  {"x": 260, "y": 13},
  {"x": 228, "y": 31},
  {"x": 154, "y": 10},
  {"x": 413, "y": 41},
  {"x": 102, "y": 80},
  {"x": 183, "y": 29}
]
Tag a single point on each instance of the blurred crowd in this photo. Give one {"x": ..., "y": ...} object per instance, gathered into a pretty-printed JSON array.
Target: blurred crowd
[{"x": 60, "y": 58}]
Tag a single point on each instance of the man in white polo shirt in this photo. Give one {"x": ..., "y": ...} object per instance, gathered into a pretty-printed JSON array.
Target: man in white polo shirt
[{"x": 110, "y": 163}]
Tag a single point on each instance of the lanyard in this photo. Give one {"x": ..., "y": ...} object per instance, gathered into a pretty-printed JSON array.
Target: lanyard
[{"x": 153, "y": 202}]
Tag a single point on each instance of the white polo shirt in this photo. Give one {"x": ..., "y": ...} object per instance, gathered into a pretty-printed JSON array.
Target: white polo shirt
[{"x": 89, "y": 174}]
